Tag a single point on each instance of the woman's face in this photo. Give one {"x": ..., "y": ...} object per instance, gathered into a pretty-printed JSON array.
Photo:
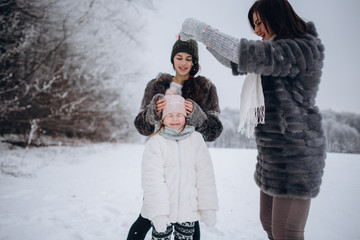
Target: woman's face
[
  {"x": 260, "y": 29},
  {"x": 174, "y": 120},
  {"x": 182, "y": 63}
]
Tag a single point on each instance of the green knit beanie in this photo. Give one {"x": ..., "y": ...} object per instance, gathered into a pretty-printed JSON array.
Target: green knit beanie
[{"x": 190, "y": 47}]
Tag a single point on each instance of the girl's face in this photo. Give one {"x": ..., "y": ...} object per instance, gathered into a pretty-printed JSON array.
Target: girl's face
[
  {"x": 260, "y": 29},
  {"x": 174, "y": 120},
  {"x": 182, "y": 63}
]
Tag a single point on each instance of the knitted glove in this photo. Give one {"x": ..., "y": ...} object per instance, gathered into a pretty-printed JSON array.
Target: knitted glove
[
  {"x": 193, "y": 29},
  {"x": 152, "y": 116},
  {"x": 160, "y": 223},
  {"x": 197, "y": 117},
  {"x": 208, "y": 217}
]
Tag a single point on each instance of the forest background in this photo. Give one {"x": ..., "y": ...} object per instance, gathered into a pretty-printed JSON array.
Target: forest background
[{"x": 68, "y": 71}]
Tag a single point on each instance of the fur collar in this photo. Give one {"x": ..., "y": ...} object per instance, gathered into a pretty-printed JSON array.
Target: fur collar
[{"x": 165, "y": 78}]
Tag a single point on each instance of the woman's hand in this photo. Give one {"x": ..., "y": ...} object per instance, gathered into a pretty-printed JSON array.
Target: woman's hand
[
  {"x": 160, "y": 105},
  {"x": 189, "y": 107}
]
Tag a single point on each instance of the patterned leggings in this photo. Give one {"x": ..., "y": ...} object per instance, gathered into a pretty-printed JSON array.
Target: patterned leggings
[{"x": 182, "y": 231}]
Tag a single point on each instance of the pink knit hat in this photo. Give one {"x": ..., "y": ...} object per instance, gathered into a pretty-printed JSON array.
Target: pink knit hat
[{"x": 174, "y": 104}]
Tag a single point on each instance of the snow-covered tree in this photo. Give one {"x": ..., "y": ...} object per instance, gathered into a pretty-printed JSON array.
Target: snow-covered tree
[
  {"x": 342, "y": 132},
  {"x": 230, "y": 137},
  {"x": 66, "y": 65}
]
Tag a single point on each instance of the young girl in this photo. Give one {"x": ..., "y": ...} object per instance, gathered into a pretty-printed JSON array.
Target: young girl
[{"x": 177, "y": 176}]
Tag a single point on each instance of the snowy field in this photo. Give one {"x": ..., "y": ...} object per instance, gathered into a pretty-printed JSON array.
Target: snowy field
[{"x": 93, "y": 192}]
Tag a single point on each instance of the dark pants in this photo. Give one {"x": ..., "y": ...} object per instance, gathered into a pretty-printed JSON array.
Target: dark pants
[
  {"x": 283, "y": 218},
  {"x": 142, "y": 225}
]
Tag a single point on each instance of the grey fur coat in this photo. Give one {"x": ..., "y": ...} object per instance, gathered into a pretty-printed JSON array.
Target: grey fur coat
[
  {"x": 199, "y": 90},
  {"x": 291, "y": 144}
]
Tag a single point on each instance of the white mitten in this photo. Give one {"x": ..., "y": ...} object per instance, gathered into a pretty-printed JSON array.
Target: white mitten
[
  {"x": 160, "y": 223},
  {"x": 193, "y": 29},
  {"x": 208, "y": 217}
]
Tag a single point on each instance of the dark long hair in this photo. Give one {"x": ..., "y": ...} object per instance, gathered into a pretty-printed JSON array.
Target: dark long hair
[
  {"x": 191, "y": 85},
  {"x": 195, "y": 67},
  {"x": 280, "y": 17},
  {"x": 192, "y": 89}
]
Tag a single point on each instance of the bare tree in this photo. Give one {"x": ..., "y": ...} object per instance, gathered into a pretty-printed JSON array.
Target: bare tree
[
  {"x": 65, "y": 66},
  {"x": 230, "y": 137},
  {"x": 342, "y": 132}
]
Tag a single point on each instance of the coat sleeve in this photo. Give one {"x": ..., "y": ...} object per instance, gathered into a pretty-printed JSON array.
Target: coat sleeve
[
  {"x": 156, "y": 195},
  {"x": 206, "y": 119},
  {"x": 226, "y": 62},
  {"x": 147, "y": 116},
  {"x": 205, "y": 179},
  {"x": 284, "y": 57},
  {"x": 223, "y": 45},
  {"x": 220, "y": 58}
]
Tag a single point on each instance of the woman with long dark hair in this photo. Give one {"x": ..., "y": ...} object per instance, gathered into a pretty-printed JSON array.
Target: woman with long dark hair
[{"x": 278, "y": 100}]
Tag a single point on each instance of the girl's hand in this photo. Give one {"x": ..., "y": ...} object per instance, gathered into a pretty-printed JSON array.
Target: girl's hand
[
  {"x": 189, "y": 107},
  {"x": 160, "y": 105}
]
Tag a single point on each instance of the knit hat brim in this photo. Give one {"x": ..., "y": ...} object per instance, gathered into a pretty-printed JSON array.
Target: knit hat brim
[
  {"x": 174, "y": 104},
  {"x": 189, "y": 47}
]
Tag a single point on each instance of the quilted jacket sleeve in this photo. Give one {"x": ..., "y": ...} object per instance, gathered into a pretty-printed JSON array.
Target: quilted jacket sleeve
[
  {"x": 205, "y": 118},
  {"x": 156, "y": 200},
  {"x": 205, "y": 179},
  {"x": 147, "y": 116}
]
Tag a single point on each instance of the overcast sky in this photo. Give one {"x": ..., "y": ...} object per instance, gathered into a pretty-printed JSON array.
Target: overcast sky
[{"x": 336, "y": 23}]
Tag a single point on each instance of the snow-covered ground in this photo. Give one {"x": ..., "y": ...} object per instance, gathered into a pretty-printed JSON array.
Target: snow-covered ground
[{"x": 93, "y": 192}]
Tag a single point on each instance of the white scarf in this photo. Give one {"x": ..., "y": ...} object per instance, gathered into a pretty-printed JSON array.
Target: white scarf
[{"x": 252, "y": 105}]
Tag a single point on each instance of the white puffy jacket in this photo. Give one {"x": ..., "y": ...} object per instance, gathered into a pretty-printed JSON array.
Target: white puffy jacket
[{"x": 177, "y": 178}]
